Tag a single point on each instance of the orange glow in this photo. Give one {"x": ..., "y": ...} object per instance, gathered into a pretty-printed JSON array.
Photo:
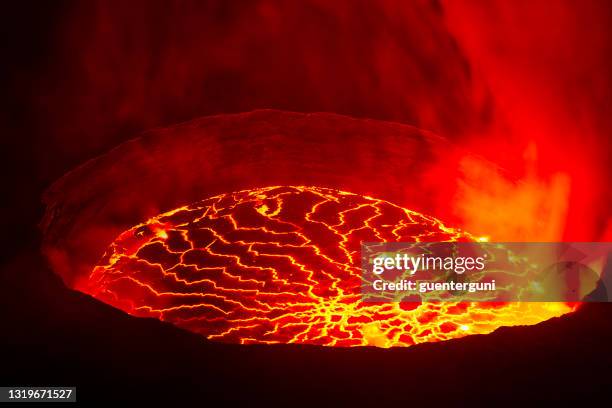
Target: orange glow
[
  {"x": 530, "y": 209},
  {"x": 282, "y": 265}
]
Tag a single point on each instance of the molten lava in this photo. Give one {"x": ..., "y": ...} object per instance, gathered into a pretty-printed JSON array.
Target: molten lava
[{"x": 282, "y": 265}]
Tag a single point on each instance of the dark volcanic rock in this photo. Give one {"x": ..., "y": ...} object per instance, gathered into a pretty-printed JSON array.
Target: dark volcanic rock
[
  {"x": 166, "y": 168},
  {"x": 62, "y": 337}
]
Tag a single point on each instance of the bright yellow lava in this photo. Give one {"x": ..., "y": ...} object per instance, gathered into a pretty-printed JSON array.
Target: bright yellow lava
[{"x": 282, "y": 265}]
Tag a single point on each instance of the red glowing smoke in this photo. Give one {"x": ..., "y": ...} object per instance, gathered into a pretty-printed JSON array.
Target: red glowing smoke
[
  {"x": 546, "y": 65},
  {"x": 525, "y": 84}
]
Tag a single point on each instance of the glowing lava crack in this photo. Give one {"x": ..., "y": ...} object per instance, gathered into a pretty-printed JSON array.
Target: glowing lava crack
[{"x": 282, "y": 265}]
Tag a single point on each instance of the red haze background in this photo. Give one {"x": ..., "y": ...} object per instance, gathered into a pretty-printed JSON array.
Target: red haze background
[{"x": 525, "y": 84}]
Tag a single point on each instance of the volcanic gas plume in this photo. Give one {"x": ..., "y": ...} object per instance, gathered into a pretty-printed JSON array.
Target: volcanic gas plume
[{"x": 282, "y": 265}]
